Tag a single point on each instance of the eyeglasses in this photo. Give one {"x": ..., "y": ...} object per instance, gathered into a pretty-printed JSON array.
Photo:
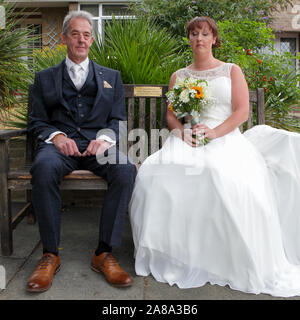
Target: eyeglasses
[{"x": 78, "y": 35}]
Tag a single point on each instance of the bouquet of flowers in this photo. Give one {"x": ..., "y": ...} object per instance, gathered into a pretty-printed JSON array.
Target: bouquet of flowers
[{"x": 190, "y": 97}]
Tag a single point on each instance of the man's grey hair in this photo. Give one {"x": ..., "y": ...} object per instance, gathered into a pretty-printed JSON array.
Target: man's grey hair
[{"x": 76, "y": 14}]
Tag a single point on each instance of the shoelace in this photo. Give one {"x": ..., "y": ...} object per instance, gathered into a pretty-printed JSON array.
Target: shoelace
[
  {"x": 45, "y": 261},
  {"x": 110, "y": 260}
]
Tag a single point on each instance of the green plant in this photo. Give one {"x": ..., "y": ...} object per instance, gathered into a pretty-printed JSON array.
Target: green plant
[
  {"x": 278, "y": 77},
  {"x": 143, "y": 52},
  {"x": 46, "y": 58},
  {"x": 15, "y": 74},
  {"x": 250, "y": 45},
  {"x": 174, "y": 14}
]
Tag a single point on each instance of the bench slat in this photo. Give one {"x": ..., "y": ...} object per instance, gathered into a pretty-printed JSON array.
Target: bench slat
[
  {"x": 75, "y": 175},
  {"x": 250, "y": 118},
  {"x": 152, "y": 113},
  {"x": 84, "y": 184},
  {"x": 130, "y": 114},
  {"x": 142, "y": 113}
]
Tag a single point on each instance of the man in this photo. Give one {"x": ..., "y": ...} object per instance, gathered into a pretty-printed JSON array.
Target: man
[{"x": 71, "y": 103}]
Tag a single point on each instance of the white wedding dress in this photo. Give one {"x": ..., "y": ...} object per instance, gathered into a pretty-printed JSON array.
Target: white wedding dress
[{"x": 227, "y": 213}]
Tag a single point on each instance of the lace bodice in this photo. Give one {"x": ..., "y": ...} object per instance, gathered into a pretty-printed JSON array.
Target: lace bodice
[{"x": 219, "y": 81}]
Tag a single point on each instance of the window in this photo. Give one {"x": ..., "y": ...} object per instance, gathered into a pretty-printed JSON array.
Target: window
[
  {"x": 103, "y": 13},
  {"x": 36, "y": 30},
  {"x": 289, "y": 45}
]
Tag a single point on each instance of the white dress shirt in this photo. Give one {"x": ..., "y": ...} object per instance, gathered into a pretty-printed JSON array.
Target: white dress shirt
[{"x": 78, "y": 79}]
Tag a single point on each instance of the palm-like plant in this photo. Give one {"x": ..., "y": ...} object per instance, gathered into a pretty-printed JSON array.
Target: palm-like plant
[
  {"x": 15, "y": 75},
  {"x": 143, "y": 52}
]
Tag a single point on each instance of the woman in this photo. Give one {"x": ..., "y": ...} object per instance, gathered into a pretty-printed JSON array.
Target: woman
[{"x": 220, "y": 213}]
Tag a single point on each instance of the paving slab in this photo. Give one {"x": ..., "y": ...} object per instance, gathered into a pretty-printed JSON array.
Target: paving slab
[{"x": 76, "y": 280}]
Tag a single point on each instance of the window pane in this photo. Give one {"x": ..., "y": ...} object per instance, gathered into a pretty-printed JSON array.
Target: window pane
[
  {"x": 95, "y": 27},
  {"x": 117, "y": 10},
  {"x": 91, "y": 8},
  {"x": 288, "y": 45},
  {"x": 36, "y": 30}
]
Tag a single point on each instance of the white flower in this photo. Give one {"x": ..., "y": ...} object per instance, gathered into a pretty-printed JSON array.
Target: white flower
[
  {"x": 171, "y": 96},
  {"x": 193, "y": 93},
  {"x": 184, "y": 96},
  {"x": 179, "y": 83}
]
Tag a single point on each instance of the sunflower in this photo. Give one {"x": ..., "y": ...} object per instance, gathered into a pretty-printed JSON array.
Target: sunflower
[{"x": 199, "y": 93}]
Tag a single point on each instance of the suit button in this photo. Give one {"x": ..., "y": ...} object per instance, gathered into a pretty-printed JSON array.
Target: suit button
[
  {"x": 82, "y": 115},
  {"x": 80, "y": 105},
  {"x": 79, "y": 96},
  {"x": 78, "y": 129}
]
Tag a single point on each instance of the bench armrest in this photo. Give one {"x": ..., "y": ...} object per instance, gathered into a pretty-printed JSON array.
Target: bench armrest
[{"x": 7, "y": 134}]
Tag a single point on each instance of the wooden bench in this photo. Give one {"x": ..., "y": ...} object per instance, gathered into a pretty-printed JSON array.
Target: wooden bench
[{"x": 146, "y": 109}]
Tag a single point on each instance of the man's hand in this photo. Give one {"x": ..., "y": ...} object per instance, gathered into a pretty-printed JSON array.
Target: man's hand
[
  {"x": 96, "y": 147},
  {"x": 66, "y": 145}
]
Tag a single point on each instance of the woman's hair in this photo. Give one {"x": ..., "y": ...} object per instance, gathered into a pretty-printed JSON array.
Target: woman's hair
[
  {"x": 200, "y": 22},
  {"x": 76, "y": 14}
]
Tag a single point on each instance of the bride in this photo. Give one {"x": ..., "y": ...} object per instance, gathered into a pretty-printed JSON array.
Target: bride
[{"x": 227, "y": 213}]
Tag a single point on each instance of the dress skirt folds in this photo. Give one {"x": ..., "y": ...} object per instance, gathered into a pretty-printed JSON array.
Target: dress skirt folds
[{"x": 227, "y": 213}]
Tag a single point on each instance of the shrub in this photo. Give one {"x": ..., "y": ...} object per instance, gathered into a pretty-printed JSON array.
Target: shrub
[
  {"x": 143, "y": 52},
  {"x": 15, "y": 74}
]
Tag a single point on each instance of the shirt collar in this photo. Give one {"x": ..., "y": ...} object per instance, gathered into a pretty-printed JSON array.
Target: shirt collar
[{"x": 84, "y": 64}]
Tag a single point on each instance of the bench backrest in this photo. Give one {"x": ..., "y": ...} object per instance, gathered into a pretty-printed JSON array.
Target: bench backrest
[{"x": 146, "y": 109}]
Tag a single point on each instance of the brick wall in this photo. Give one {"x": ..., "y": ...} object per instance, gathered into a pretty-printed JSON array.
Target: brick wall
[{"x": 287, "y": 20}]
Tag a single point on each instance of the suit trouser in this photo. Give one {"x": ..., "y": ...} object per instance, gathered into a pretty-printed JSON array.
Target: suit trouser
[{"x": 48, "y": 170}]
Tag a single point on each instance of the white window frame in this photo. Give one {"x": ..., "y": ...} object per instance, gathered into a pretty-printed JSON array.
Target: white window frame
[{"x": 100, "y": 17}]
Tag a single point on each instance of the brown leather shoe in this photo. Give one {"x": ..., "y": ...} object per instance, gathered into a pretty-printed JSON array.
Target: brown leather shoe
[
  {"x": 41, "y": 278},
  {"x": 113, "y": 273}
]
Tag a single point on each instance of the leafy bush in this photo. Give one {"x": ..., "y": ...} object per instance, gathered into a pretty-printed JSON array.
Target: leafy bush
[
  {"x": 174, "y": 14},
  {"x": 47, "y": 57},
  {"x": 15, "y": 75},
  {"x": 250, "y": 44},
  {"x": 143, "y": 52}
]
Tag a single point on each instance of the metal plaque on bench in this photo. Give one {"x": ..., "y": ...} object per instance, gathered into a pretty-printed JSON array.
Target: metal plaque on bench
[{"x": 149, "y": 91}]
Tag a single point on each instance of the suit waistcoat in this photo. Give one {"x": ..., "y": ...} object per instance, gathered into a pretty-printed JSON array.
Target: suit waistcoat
[{"x": 80, "y": 101}]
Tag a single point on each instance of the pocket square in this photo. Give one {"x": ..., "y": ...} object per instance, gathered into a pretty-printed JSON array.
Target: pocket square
[{"x": 106, "y": 84}]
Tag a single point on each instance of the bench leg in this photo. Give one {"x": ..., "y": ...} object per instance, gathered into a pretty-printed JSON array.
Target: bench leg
[
  {"x": 6, "y": 226},
  {"x": 5, "y": 207},
  {"x": 31, "y": 218}
]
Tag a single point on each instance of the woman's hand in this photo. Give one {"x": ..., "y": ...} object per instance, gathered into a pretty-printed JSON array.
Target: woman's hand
[
  {"x": 203, "y": 129},
  {"x": 187, "y": 137}
]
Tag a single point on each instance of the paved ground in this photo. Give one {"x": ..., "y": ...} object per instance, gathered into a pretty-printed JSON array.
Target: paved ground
[{"x": 76, "y": 281}]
